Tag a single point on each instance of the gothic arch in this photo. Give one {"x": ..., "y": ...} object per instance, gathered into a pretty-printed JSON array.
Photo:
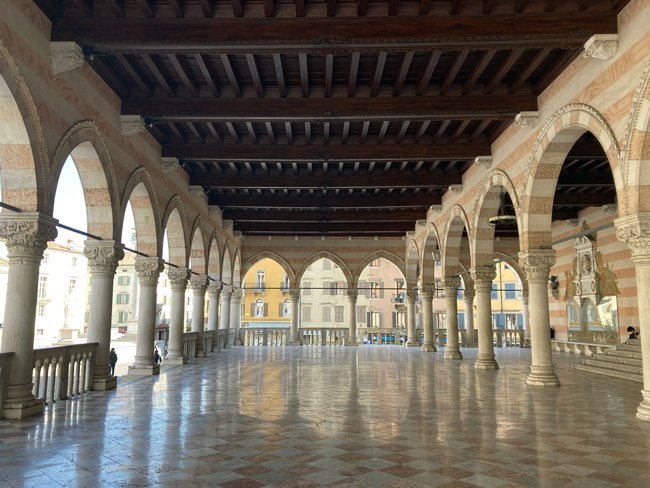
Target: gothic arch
[
  {"x": 214, "y": 257},
  {"x": 325, "y": 255},
  {"x": 85, "y": 145},
  {"x": 431, "y": 243},
  {"x": 554, "y": 142},
  {"x": 456, "y": 221},
  {"x": 226, "y": 265},
  {"x": 387, "y": 255},
  {"x": 273, "y": 256},
  {"x": 236, "y": 269},
  {"x": 172, "y": 224},
  {"x": 140, "y": 192},
  {"x": 197, "y": 258}
]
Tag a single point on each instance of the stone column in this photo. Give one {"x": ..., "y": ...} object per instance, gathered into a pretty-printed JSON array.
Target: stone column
[
  {"x": 235, "y": 315},
  {"x": 148, "y": 270},
  {"x": 451, "y": 284},
  {"x": 635, "y": 230},
  {"x": 352, "y": 318},
  {"x": 178, "y": 280},
  {"x": 226, "y": 294},
  {"x": 483, "y": 277},
  {"x": 214, "y": 292},
  {"x": 469, "y": 295},
  {"x": 524, "y": 314},
  {"x": 198, "y": 284},
  {"x": 103, "y": 259},
  {"x": 26, "y": 235},
  {"x": 411, "y": 296},
  {"x": 426, "y": 293},
  {"x": 537, "y": 263},
  {"x": 294, "y": 334}
]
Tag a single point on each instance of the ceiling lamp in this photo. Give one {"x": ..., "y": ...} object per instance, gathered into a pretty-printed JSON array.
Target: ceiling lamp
[{"x": 503, "y": 218}]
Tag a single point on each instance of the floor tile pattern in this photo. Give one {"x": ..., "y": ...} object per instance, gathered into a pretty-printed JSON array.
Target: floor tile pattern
[{"x": 372, "y": 416}]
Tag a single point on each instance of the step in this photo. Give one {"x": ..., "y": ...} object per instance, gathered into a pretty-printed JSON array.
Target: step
[
  {"x": 611, "y": 358},
  {"x": 610, "y": 372},
  {"x": 597, "y": 363},
  {"x": 621, "y": 356},
  {"x": 630, "y": 346}
]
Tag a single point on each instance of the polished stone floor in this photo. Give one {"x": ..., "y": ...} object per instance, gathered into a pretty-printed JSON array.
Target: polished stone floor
[{"x": 369, "y": 416}]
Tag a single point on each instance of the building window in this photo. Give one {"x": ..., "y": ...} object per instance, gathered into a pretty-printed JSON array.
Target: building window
[
  {"x": 511, "y": 293},
  {"x": 42, "y": 287},
  {"x": 259, "y": 307},
  {"x": 399, "y": 285},
  {"x": 374, "y": 289},
  {"x": 327, "y": 264},
  {"x": 306, "y": 288},
  {"x": 122, "y": 317},
  {"x": 495, "y": 292},
  {"x": 259, "y": 279},
  {"x": 74, "y": 262},
  {"x": 374, "y": 319},
  {"x": 306, "y": 313},
  {"x": 46, "y": 257},
  {"x": 72, "y": 284},
  {"x": 459, "y": 294},
  {"x": 125, "y": 280},
  {"x": 338, "y": 314},
  {"x": 41, "y": 310},
  {"x": 122, "y": 298},
  {"x": 361, "y": 314},
  {"x": 286, "y": 308},
  {"x": 326, "y": 314},
  {"x": 375, "y": 263},
  {"x": 39, "y": 332}
]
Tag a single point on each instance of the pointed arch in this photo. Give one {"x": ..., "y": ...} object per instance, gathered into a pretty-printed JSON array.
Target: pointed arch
[
  {"x": 85, "y": 146},
  {"x": 487, "y": 205},
  {"x": 172, "y": 225},
  {"x": 557, "y": 137},
  {"x": 325, "y": 255},
  {"x": 24, "y": 168},
  {"x": 431, "y": 245},
  {"x": 197, "y": 258},
  {"x": 383, "y": 254},
  {"x": 514, "y": 264},
  {"x": 457, "y": 221},
  {"x": 273, "y": 256},
  {"x": 412, "y": 265},
  {"x": 214, "y": 257},
  {"x": 226, "y": 265},
  {"x": 236, "y": 269},
  {"x": 140, "y": 193}
]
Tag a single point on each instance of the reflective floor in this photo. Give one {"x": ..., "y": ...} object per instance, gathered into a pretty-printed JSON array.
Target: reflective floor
[{"x": 369, "y": 416}]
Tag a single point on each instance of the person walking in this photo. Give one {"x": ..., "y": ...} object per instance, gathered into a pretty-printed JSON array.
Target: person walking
[{"x": 112, "y": 361}]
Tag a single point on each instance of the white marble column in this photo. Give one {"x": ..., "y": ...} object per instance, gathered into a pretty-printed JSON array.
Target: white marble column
[
  {"x": 411, "y": 296},
  {"x": 483, "y": 277},
  {"x": 352, "y": 295},
  {"x": 635, "y": 231},
  {"x": 148, "y": 270},
  {"x": 103, "y": 258},
  {"x": 198, "y": 284},
  {"x": 26, "y": 236},
  {"x": 452, "y": 350},
  {"x": 468, "y": 296},
  {"x": 524, "y": 314},
  {"x": 537, "y": 263},
  {"x": 235, "y": 315},
  {"x": 294, "y": 328},
  {"x": 226, "y": 294},
  {"x": 178, "y": 278},
  {"x": 214, "y": 292},
  {"x": 426, "y": 293}
]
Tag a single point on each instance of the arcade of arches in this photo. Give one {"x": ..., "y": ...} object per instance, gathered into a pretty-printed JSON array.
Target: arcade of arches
[{"x": 574, "y": 172}]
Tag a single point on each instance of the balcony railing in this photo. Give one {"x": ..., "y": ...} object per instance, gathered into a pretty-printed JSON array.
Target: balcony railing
[
  {"x": 189, "y": 344},
  {"x": 325, "y": 336},
  {"x": 5, "y": 372}
]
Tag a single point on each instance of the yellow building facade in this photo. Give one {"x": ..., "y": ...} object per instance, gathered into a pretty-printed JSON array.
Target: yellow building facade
[{"x": 266, "y": 301}]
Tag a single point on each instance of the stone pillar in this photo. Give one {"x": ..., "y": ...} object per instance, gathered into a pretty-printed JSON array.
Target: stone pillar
[
  {"x": 411, "y": 296},
  {"x": 235, "y": 315},
  {"x": 294, "y": 334},
  {"x": 26, "y": 236},
  {"x": 178, "y": 280},
  {"x": 198, "y": 284},
  {"x": 468, "y": 296},
  {"x": 352, "y": 318},
  {"x": 214, "y": 292},
  {"x": 635, "y": 230},
  {"x": 103, "y": 259},
  {"x": 451, "y": 284},
  {"x": 426, "y": 293},
  {"x": 148, "y": 270},
  {"x": 483, "y": 277},
  {"x": 524, "y": 314},
  {"x": 537, "y": 263},
  {"x": 226, "y": 294}
]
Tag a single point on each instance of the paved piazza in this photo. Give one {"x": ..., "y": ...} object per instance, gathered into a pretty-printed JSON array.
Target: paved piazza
[{"x": 369, "y": 416}]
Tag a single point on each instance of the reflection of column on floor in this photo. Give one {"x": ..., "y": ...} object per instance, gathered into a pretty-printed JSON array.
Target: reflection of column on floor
[
  {"x": 452, "y": 350},
  {"x": 214, "y": 293},
  {"x": 178, "y": 278},
  {"x": 635, "y": 230},
  {"x": 426, "y": 293},
  {"x": 26, "y": 236},
  {"x": 198, "y": 284},
  {"x": 469, "y": 295},
  {"x": 483, "y": 277},
  {"x": 103, "y": 258},
  {"x": 537, "y": 263}
]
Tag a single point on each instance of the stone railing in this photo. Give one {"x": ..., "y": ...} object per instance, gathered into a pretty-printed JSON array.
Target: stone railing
[
  {"x": 382, "y": 336},
  {"x": 324, "y": 336},
  {"x": 264, "y": 336},
  {"x": 508, "y": 338},
  {"x": 219, "y": 340},
  {"x": 584, "y": 348},
  {"x": 5, "y": 371},
  {"x": 63, "y": 372},
  {"x": 208, "y": 339},
  {"x": 189, "y": 344}
]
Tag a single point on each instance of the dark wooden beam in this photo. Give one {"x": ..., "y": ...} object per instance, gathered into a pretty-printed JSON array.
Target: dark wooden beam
[
  {"x": 207, "y": 74},
  {"x": 178, "y": 6},
  {"x": 331, "y": 8},
  {"x": 206, "y": 8},
  {"x": 183, "y": 73},
  {"x": 118, "y": 7},
  {"x": 320, "y": 228},
  {"x": 279, "y": 74},
  {"x": 279, "y": 200},
  {"x": 148, "y": 7},
  {"x": 326, "y": 152},
  {"x": 584, "y": 200},
  {"x": 271, "y": 215},
  {"x": 157, "y": 73},
  {"x": 238, "y": 8},
  {"x": 300, "y": 8},
  {"x": 435, "y": 31},
  {"x": 350, "y": 108}
]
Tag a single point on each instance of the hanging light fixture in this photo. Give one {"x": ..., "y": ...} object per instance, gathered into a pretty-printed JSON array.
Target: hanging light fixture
[{"x": 502, "y": 218}]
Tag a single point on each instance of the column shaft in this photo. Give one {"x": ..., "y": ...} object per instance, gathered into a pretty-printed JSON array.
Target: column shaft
[
  {"x": 214, "y": 293},
  {"x": 412, "y": 341},
  {"x": 483, "y": 277},
  {"x": 198, "y": 284},
  {"x": 352, "y": 318},
  {"x": 226, "y": 293},
  {"x": 452, "y": 350},
  {"x": 469, "y": 316},
  {"x": 427, "y": 318},
  {"x": 294, "y": 327},
  {"x": 178, "y": 280},
  {"x": 235, "y": 315}
]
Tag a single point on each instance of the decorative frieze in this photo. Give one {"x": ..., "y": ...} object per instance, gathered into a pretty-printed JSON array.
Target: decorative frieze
[
  {"x": 237, "y": 294},
  {"x": 294, "y": 293},
  {"x": 601, "y": 46},
  {"x": 103, "y": 256},
  {"x": 451, "y": 284},
  {"x": 65, "y": 56},
  {"x": 226, "y": 292},
  {"x": 427, "y": 291},
  {"x": 214, "y": 287}
]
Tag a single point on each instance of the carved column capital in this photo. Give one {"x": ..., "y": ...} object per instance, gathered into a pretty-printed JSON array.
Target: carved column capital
[
  {"x": 352, "y": 295},
  {"x": 65, "y": 56},
  {"x": 427, "y": 291},
  {"x": 469, "y": 294},
  {"x": 214, "y": 287},
  {"x": 601, "y": 46},
  {"x": 411, "y": 295},
  {"x": 198, "y": 283},
  {"x": 26, "y": 235},
  {"x": 294, "y": 293},
  {"x": 537, "y": 263},
  {"x": 226, "y": 291},
  {"x": 483, "y": 277},
  {"x": 635, "y": 231},
  {"x": 178, "y": 278},
  {"x": 237, "y": 294},
  {"x": 148, "y": 270},
  {"x": 451, "y": 284},
  {"x": 103, "y": 256}
]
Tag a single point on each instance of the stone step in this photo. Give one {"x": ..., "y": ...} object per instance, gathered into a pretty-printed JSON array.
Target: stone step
[
  {"x": 618, "y": 353},
  {"x": 599, "y": 363},
  {"x": 633, "y": 345},
  {"x": 624, "y": 375},
  {"x": 614, "y": 358},
  {"x": 128, "y": 337}
]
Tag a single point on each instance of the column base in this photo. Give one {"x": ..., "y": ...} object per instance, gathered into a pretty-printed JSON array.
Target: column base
[
  {"x": 294, "y": 343},
  {"x": 20, "y": 403},
  {"x": 412, "y": 344},
  {"x": 429, "y": 348},
  {"x": 149, "y": 370},
  {"x": 486, "y": 363},
  {"x": 542, "y": 376},
  {"x": 453, "y": 354},
  {"x": 643, "y": 410},
  {"x": 104, "y": 383},
  {"x": 175, "y": 361}
]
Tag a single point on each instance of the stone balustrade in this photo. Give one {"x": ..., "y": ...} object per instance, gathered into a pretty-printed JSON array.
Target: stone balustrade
[
  {"x": 264, "y": 336},
  {"x": 5, "y": 371},
  {"x": 508, "y": 338},
  {"x": 324, "y": 336},
  {"x": 208, "y": 340},
  {"x": 63, "y": 372},
  {"x": 584, "y": 348},
  {"x": 219, "y": 339},
  {"x": 189, "y": 344}
]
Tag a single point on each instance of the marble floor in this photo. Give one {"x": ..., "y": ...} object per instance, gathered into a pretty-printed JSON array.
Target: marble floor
[{"x": 369, "y": 416}]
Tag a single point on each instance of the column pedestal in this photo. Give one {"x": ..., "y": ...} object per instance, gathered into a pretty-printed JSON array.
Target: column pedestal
[
  {"x": 178, "y": 281},
  {"x": 352, "y": 319},
  {"x": 411, "y": 296},
  {"x": 483, "y": 277},
  {"x": 198, "y": 284},
  {"x": 452, "y": 349},
  {"x": 427, "y": 318}
]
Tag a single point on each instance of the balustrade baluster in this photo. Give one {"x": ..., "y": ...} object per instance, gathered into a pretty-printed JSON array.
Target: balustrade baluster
[{"x": 37, "y": 380}]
